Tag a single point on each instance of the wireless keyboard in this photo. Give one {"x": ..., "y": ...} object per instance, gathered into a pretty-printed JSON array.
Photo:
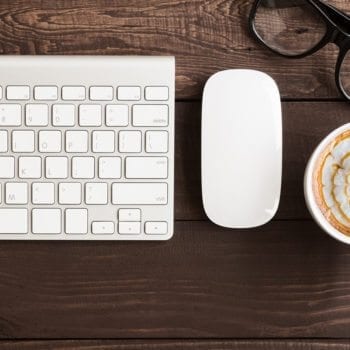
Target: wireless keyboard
[{"x": 86, "y": 147}]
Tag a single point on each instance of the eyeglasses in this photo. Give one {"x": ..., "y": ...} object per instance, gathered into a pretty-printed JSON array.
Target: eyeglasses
[{"x": 298, "y": 28}]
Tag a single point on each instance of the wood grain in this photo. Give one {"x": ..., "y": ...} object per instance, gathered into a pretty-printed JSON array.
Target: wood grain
[
  {"x": 178, "y": 344},
  {"x": 304, "y": 124},
  {"x": 286, "y": 279},
  {"x": 205, "y": 36}
]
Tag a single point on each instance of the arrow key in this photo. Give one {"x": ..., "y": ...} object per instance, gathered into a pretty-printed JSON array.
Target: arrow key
[
  {"x": 103, "y": 227},
  {"x": 156, "y": 228}
]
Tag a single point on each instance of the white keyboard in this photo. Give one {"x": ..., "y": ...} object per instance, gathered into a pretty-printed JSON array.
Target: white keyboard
[{"x": 86, "y": 147}]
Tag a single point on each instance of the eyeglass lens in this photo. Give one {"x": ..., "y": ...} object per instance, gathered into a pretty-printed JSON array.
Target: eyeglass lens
[
  {"x": 344, "y": 75},
  {"x": 290, "y": 27}
]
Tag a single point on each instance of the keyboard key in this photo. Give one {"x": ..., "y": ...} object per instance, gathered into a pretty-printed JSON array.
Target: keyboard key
[
  {"x": 129, "y": 93},
  {"x": 63, "y": 115},
  {"x": 103, "y": 227},
  {"x": 109, "y": 168},
  {"x": 23, "y": 141},
  {"x": 46, "y": 93},
  {"x": 103, "y": 141},
  {"x": 13, "y": 221},
  {"x": 43, "y": 193},
  {"x": 101, "y": 93},
  {"x": 157, "y": 141},
  {"x": 83, "y": 167},
  {"x": 157, "y": 93},
  {"x": 130, "y": 141},
  {"x": 129, "y": 215},
  {"x": 77, "y": 141},
  {"x": 29, "y": 167},
  {"x": 69, "y": 193},
  {"x": 50, "y": 141},
  {"x": 156, "y": 227},
  {"x": 90, "y": 115},
  {"x": 117, "y": 115},
  {"x": 96, "y": 193},
  {"x": 7, "y": 167},
  {"x": 37, "y": 115},
  {"x": 150, "y": 115},
  {"x": 129, "y": 228},
  {"x": 16, "y": 193},
  {"x": 3, "y": 141},
  {"x": 140, "y": 193},
  {"x": 146, "y": 167},
  {"x": 76, "y": 221},
  {"x": 10, "y": 115},
  {"x": 18, "y": 92},
  {"x": 56, "y": 167},
  {"x": 46, "y": 221},
  {"x": 73, "y": 93}
]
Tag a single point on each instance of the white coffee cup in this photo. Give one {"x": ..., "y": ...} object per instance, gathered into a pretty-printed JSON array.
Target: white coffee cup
[{"x": 310, "y": 199}]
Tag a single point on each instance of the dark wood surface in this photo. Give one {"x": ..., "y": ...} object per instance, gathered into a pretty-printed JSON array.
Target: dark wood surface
[
  {"x": 286, "y": 279},
  {"x": 177, "y": 345},
  {"x": 283, "y": 286}
]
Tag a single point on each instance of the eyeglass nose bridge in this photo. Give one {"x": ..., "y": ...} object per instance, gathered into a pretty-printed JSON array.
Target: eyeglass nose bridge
[{"x": 339, "y": 38}]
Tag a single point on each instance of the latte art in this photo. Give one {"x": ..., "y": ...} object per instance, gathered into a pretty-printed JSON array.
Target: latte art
[{"x": 332, "y": 182}]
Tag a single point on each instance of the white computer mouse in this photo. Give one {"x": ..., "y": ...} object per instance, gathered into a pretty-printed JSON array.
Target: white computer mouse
[{"x": 241, "y": 148}]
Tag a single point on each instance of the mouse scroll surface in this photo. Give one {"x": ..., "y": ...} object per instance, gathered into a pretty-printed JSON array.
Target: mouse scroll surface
[{"x": 241, "y": 148}]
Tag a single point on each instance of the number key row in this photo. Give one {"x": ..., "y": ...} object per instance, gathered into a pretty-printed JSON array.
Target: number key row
[{"x": 63, "y": 115}]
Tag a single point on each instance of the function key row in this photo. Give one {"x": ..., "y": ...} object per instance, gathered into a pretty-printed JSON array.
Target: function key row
[{"x": 81, "y": 93}]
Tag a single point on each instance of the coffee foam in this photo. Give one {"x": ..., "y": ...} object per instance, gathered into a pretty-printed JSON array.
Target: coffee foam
[{"x": 331, "y": 182}]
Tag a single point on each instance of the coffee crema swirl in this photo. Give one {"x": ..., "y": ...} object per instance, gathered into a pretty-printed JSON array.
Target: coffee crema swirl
[{"x": 331, "y": 182}]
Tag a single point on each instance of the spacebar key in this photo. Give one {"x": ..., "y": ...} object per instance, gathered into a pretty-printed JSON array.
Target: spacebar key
[
  {"x": 13, "y": 221},
  {"x": 140, "y": 193}
]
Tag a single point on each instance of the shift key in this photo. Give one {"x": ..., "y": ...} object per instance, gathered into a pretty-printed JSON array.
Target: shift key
[{"x": 140, "y": 193}]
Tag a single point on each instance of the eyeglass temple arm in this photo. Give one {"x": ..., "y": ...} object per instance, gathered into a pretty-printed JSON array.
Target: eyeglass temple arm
[{"x": 338, "y": 17}]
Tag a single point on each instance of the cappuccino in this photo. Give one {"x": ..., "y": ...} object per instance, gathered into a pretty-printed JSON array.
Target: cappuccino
[{"x": 331, "y": 182}]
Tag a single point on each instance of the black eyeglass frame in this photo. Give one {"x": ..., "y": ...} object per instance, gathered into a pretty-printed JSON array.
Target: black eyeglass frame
[{"x": 337, "y": 32}]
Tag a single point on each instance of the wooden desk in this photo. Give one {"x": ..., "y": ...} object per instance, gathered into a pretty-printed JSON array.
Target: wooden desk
[{"x": 285, "y": 285}]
